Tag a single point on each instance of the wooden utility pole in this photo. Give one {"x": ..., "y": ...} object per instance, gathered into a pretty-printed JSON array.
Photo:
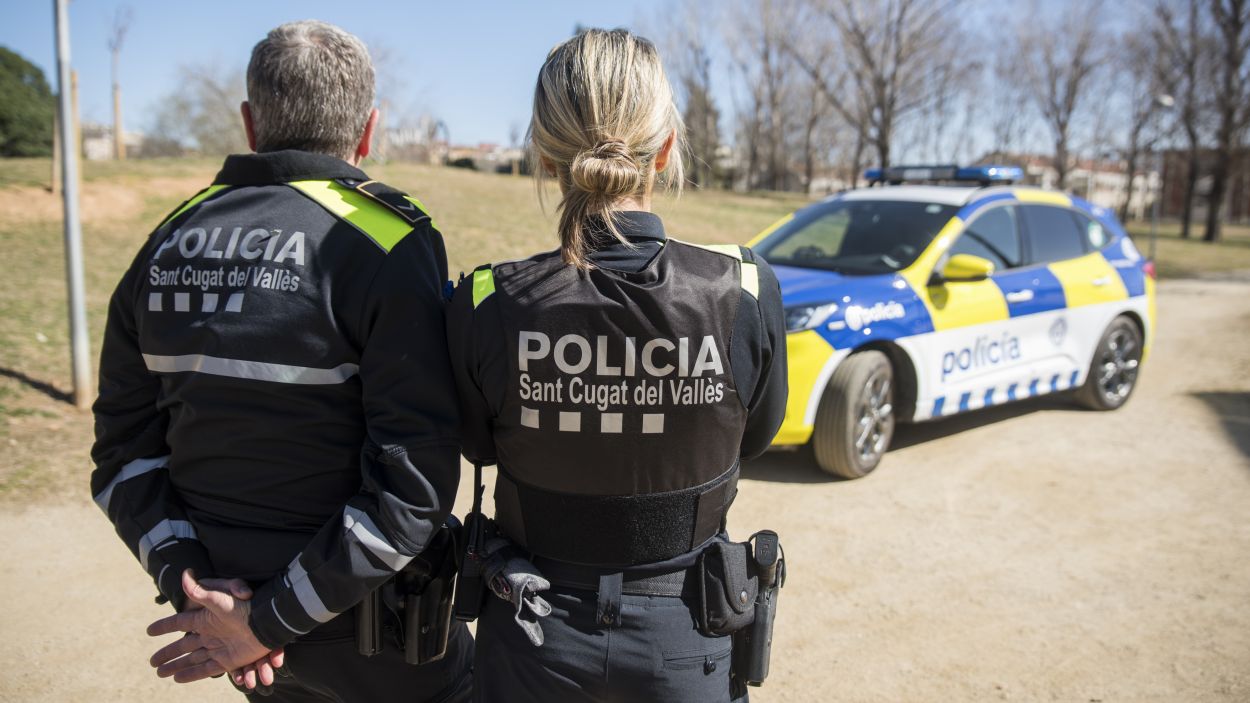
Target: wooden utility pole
[{"x": 121, "y": 23}]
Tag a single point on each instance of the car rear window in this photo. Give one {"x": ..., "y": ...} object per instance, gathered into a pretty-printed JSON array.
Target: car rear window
[{"x": 1053, "y": 233}]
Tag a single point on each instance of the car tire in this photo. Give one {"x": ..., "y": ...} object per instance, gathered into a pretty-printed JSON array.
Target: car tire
[
  {"x": 1113, "y": 370},
  {"x": 855, "y": 419}
]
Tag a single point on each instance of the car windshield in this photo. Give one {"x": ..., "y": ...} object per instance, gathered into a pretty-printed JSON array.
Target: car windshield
[{"x": 856, "y": 237}]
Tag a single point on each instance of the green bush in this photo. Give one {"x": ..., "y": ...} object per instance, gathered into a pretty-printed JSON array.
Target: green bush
[{"x": 26, "y": 108}]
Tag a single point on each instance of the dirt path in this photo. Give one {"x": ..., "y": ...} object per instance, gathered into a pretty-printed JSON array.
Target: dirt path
[{"x": 1033, "y": 553}]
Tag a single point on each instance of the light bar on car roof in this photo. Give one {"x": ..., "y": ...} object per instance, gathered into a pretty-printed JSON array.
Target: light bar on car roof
[{"x": 985, "y": 175}]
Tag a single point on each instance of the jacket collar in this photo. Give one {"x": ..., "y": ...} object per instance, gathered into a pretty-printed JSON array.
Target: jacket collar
[
  {"x": 634, "y": 225},
  {"x": 275, "y": 167}
]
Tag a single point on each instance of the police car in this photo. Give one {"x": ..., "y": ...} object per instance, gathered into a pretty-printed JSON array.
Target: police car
[{"x": 939, "y": 290}]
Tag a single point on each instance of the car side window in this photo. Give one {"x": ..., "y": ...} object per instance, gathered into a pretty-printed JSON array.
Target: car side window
[
  {"x": 1053, "y": 234},
  {"x": 1096, "y": 236},
  {"x": 994, "y": 236}
]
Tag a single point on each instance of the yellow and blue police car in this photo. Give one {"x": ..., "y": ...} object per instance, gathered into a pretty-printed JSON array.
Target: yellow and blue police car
[{"x": 938, "y": 290}]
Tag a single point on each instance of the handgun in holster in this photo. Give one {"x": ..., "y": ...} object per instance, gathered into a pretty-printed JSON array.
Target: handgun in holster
[
  {"x": 420, "y": 598},
  {"x": 753, "y": 644}
]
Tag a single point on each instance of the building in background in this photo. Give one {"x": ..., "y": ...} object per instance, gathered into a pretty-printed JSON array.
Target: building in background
[
  {"x": 97, "y": 141},
  {"x": 1101, "y": 182}
]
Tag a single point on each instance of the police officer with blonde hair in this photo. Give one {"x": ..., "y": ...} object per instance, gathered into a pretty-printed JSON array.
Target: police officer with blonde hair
[
  {"x": 276, "y": 430},
  {"x": 616, "y": 382}
]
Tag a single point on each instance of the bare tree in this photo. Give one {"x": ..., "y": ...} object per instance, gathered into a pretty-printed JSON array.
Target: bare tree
[
  {"x": 881, "y": 61},
  {"x": 1181, "y": 38},
  {"x": 817, "y": 112},
  {"x": 1059, "y": 53},
  {"x": 1141, "y": 75},
  {"x": 1232, "y": 23},
  {"x": 389, "y": 77},
  {"x": 121, "y": 23},
  {"x": 686, "y": 44},
  {"x": 1009, "y": 123},
  {"x": 756, "y": 37},
  {"x": 203, "y": 113}
]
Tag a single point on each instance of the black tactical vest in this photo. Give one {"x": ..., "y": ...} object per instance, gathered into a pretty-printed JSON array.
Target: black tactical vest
[{"x": 619, "y": 436}]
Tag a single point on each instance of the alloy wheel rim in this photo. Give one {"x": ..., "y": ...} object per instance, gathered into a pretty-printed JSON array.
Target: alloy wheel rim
[
  {"x": 1117, "y": 366},
  {"x": 876, "y": 414}
]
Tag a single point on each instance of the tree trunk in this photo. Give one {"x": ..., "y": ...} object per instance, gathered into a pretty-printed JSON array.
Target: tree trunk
[
  {"x": 1132, "y": 176},
  {"x": 1061, "y": 163},
  {"x": 857, "y": 160},
  {"x": 809, "y": 156},
  {"x": 1215, "y": 201},
  {"x": 1191, "y": 185}
]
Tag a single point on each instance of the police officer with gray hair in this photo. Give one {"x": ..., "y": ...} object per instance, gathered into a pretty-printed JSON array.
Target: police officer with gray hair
[{"x": 276, "y": 429}]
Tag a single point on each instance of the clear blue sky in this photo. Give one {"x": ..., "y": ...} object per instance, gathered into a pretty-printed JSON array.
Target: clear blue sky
[{"x": 470, "y": 62}]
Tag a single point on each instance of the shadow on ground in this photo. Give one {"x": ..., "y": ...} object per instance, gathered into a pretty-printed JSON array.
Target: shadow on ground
[
  {"x": 799, "y": 466},
  {"x": 35, "y": 384},
  {"x": 1233, "y": 410},
  {"x": 909, "y": 435}
]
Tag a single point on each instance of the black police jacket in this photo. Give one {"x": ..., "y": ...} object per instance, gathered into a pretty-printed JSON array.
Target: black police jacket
[
  {"x": 275, "y": 398},
  {"x": 618, "y": 401}
]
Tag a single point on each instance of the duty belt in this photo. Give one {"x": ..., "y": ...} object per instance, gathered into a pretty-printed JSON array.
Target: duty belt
[
  {"x": 612, "y": 531},
  {"x": 634, "y": 582}
]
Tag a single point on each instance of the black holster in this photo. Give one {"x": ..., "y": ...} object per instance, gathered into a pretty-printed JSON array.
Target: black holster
[
  {"x": 417, "y": 600},
  {"x": 738, "y": 587}
]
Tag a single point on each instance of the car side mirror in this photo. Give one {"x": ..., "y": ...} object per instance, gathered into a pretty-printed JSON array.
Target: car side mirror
[{"x": 965, "y": 267}]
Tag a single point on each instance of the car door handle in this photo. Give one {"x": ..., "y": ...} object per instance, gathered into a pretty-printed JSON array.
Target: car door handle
[
  {"x": 1101, "y": 280},
  {"x": 1020, "y": 296}
]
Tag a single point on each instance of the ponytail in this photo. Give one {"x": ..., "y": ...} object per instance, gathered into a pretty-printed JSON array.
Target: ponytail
[{"x": 603, "y": 111}]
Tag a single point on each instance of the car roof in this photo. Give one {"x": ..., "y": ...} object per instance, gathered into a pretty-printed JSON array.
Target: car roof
[{"x": 945, "y": 195}]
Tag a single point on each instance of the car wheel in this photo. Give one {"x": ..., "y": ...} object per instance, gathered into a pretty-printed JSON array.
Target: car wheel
[
  {"x": 1113, "y": 370},
  {"x": 855, "y": 419}
]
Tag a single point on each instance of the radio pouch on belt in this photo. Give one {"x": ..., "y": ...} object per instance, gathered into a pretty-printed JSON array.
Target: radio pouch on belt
[
  {"x": 471, "y": 584},
  {"x": 728, "y": 586}
]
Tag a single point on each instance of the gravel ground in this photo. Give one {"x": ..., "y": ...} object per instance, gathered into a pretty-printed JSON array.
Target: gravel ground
[{"x": 1027, "y": 553}]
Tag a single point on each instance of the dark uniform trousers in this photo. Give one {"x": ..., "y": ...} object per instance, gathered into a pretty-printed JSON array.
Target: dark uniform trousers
[
  {"x": 654, "y": 654},
  {"x": 325, "y": 666}
]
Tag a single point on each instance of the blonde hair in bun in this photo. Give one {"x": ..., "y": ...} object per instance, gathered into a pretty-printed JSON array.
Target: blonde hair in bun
[{"x": 603, "y": 111}]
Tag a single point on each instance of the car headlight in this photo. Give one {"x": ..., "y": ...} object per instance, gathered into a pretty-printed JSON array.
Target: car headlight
[{"x": 806, "y": 317}]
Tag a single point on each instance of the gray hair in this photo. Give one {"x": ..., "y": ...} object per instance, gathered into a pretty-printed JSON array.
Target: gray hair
[{"x": 310, "y": 87}]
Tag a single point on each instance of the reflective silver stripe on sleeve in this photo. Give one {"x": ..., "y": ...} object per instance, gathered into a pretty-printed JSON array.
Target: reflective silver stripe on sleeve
[
  {"x": 306, "y": 595},
  {"x": 273, "y": 605},
  {"x": 129, "y": 471},
  {"x": 359, "y": 523},
  {"x": 165, "y": 530},
  {"x": 251, "y": 370}
]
